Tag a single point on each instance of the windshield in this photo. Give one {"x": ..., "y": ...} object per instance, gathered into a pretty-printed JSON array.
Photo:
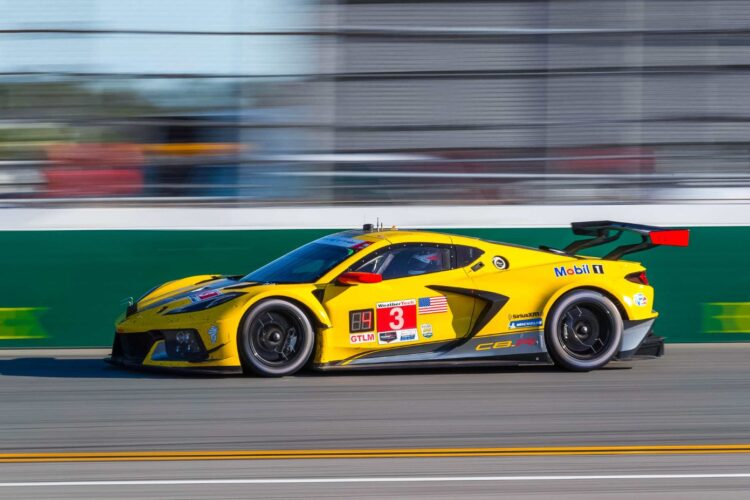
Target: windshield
[{"x": 309, "y": 262}]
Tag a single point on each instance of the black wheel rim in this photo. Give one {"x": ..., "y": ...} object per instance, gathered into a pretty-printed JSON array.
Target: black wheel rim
[
  {"x": 276, "y": 337},
  {"x": 585, "y": 330}
]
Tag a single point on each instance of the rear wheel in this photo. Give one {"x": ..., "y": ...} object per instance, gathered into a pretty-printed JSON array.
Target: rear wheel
[
  {"x": 583, "y": 330},
  {"x": 276, "y": 338}
]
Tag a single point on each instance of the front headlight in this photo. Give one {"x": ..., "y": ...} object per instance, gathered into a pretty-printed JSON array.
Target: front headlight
[
  {"x": 184, "y": 345},
  {"x": 206, "y": 304}
]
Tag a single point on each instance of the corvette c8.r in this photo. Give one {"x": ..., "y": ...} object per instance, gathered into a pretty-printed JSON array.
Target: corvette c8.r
[{"x": 375, "y": 297}]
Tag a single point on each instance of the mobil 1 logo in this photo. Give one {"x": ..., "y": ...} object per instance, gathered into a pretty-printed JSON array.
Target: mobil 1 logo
[{"x": 562, "y": 271}]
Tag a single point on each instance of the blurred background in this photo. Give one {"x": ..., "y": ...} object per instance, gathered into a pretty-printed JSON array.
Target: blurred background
[
  {"x": 253, "y": 102},
  {"x": 146, "y": 140}
]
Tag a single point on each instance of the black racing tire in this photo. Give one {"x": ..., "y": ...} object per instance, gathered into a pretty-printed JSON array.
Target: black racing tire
[
  {"x": 583, "y": 331},
  {"x": 276, "y": 338}
]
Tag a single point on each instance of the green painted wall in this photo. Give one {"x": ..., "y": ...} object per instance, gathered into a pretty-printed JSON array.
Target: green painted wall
[{"x": 64, "y": 288}]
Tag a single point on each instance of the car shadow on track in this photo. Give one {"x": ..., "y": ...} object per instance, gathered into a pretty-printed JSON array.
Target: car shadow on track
[
  {"x": 98, "y": 368},
  {"x": 74, "y": 368},
  {"x": 456, "y": 370}
]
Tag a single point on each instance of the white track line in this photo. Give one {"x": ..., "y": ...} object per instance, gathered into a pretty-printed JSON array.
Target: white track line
[{"x": 334, "y": 480}]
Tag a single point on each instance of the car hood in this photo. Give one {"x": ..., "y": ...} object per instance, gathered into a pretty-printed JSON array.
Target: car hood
[{"x": 196, "y": 289}]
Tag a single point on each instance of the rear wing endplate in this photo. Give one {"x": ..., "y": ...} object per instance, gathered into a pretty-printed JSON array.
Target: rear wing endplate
[{"x": 603, "y": 232}]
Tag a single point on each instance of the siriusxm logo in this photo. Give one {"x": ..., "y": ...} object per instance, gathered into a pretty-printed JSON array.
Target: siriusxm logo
[{"x": 582, "y": 269}]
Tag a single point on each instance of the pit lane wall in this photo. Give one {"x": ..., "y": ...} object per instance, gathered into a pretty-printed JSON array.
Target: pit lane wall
[{"x": 66, "y": 272}]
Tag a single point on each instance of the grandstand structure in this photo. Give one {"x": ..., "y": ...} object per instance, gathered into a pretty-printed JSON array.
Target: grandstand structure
[{"x": 525, "y": 101}]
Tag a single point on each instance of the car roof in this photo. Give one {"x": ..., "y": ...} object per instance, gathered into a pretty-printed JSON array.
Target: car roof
[
  {"x": 394, "y": 235},
  {"x": 405, "y": 236}
]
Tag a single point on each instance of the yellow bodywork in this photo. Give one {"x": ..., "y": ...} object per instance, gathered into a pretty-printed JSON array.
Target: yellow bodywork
[{"x": 532, "y": 281}]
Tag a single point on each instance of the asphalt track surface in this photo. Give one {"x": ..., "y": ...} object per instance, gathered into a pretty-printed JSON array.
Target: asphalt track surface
[{"x": 666, "y": 428}]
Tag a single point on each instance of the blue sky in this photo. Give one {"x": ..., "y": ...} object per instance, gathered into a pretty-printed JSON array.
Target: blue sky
[{"x": 157, "y": 54}]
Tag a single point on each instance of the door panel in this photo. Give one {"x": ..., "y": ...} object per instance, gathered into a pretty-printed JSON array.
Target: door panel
[{"x": 399, "y": 312}]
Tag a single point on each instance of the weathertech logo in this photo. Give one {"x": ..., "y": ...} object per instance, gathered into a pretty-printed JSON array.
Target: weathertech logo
[{"x": 582, "y": 269}]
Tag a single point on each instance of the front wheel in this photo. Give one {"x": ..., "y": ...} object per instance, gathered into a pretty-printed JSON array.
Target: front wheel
[
  {"x": 276, "y": 338},
  {"x": 583, "y": 331}
]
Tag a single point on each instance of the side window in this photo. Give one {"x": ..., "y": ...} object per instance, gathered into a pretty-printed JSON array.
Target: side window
[
  {"x": 372, "y": 265},
  {"x": 408, "y": 260},
  {"x": 466, "y": 255}
]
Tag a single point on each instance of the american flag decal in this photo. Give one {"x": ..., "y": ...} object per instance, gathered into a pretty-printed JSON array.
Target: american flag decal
[{"x": 429, "y": 305}]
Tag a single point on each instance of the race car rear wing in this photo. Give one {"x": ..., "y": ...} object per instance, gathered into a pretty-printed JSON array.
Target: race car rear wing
[{"x": 603, "y": 232}]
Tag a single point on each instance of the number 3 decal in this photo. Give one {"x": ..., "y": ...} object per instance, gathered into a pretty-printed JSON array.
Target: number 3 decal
[{"x": 397, "y": 314}]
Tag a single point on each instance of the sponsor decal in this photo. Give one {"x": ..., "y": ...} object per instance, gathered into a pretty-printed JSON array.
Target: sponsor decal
[
  {"x": 397, "y": 315},
  {"x": 499, "y": 262},
  {"x": 426, "y": 330},
  {"x": 352, "y": 244},
  {"x": 396, "y": 337},
  {"x": 396, "y": 321},
  {"x": 361, "y": 338},
  {"x": 524, "y": 315},
  {"x": 640, "y": 299},
  {"x": 387, "y": 337},
  {"x": 504, "y": 344},
  {"x": 208, "y": 294},
  {"x": 361, "y": 321},
  {"x": 525, "y": 323},
  {"x": 340, "y": 241},
  {"x": 430, "y": 305},
  {"x": 213, "y": 333},
  {"x": 359, "y": 246},
  {"x": 582, "y": 269}
]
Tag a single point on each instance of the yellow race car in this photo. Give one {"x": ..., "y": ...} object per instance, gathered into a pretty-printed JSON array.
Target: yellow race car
[{"x": 376, "y": 298}]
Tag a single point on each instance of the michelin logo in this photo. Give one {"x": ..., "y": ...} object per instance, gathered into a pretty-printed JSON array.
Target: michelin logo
[
  {"x": 582, "y": 269},
  {"x": 525, "y": 323}
]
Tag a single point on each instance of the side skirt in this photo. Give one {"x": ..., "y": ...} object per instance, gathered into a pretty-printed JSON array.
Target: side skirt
[
  {"x": 512, "y": 347},
  {"x": 488, "y": 362}
]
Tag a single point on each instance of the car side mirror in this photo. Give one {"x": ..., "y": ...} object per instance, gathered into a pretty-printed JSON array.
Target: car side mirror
[{"x": 356, "y": 278}]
